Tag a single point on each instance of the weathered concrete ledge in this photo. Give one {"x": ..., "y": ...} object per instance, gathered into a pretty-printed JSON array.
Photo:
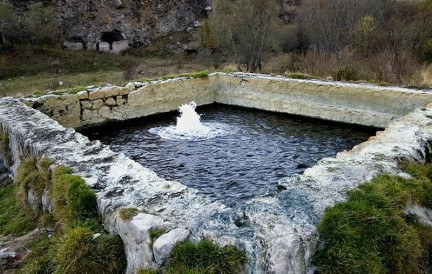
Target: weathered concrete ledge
[
  {"x": 278, "y": 233},
  {"x": 361, "y": 104}
]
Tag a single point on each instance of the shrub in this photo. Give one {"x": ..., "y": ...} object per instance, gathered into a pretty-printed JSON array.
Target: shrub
[
  {"x": 370, "y": 233},
  {"x": 204, "y": 257},
  {"x": 426, "y": 51},
  {"x": 347, "y": 73}
]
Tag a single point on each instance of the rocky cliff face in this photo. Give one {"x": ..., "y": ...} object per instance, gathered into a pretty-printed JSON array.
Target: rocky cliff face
[
  {"x": 115, "y": 24},
  {"x": 137, "y": 21}
]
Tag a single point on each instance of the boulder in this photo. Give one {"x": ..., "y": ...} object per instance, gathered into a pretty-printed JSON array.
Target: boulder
[{"x": 163, "y": 245}]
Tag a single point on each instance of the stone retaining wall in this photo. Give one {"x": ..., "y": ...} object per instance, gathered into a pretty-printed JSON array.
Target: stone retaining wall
[
  {"x": 361, "y": 104},
  {"x": 278, "y": 233}
]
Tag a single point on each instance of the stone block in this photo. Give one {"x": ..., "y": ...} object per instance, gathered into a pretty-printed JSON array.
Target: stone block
[
  {"x": 163, "y": 245},
  {"x": 87, "y": 104},
  {"x": 123, "y": 91},
  {"x": 97, "y": 104},
  {"x": 96, "y": 94},
  {"x": 82, "y": 95},
  {"x": 104, "y": 46},
  {"x": 119, "y": 46},
  {"x": 130, "y": 86},
  {"x": 120, "y": 100},
  {"x": 110, "y": 102},
  {"x": 105, "y": 111},
  {"x": 73, "y": 46},
  {"x": 91, "y": 46},
  {"x": 110, "y": 92}
]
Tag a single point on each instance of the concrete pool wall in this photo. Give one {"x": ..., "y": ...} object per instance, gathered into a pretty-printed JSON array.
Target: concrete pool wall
[
  {"x": 278, "y": 233},
  {"x": 361, "y": 104}
]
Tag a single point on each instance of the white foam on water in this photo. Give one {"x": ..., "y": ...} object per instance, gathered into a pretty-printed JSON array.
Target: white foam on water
[{"x": 189, "y": 127}]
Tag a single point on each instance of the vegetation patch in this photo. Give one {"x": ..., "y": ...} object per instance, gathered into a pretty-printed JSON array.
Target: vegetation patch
[
  {"x": 347, "y": 73},
  {"x": 81, "y": 252},
  {"x": 198, "y": 74},
  {"x": 154, "y": 233},
  {"x": 79, "y": 243},
  {"x": 127, "y": 213},
  {"x": 4, "y": 148},
  {"x": 12, "y": 220},
  {"x": 371, "y": 233},
  {"x": 204, "y": 257}
]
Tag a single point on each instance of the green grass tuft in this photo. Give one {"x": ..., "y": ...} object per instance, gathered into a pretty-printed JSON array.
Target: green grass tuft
[
  {"x": 370, "y": 233},
  {"x": 198, "y": 74},
  {"x": 204, "y": 257},
  {"x": 41, "y": 258},
  {"x": 12, "y": 221},
  {"x": 81, "y": 200},
  {"x": 127, "y": 214},
  {"x": 78, "y": 252},
  {"x": 75, "y": 89},
  {"x": 154, "y": 233}
]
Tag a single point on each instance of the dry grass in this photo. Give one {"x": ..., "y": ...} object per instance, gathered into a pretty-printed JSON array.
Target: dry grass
[{"x": 398, "y": 68}]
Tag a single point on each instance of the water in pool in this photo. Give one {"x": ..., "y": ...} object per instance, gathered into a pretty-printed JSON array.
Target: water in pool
[{"x": 234, "y": 154}]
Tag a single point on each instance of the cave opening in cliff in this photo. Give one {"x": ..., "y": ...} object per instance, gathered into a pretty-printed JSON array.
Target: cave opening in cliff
[{"x": 112, "y": 36}]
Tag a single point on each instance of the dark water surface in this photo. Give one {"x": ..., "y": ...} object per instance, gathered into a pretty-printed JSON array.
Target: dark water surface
[{"x": 261, "y": 148}]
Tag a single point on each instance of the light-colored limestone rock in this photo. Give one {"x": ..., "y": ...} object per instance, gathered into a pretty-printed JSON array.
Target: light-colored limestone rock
[
  {"x": 424, "y": 214},
  {"x": 130, "y": 86},
  {"x": 95, "y": 94},
  {"x": 104, "y": 46},
  {"x": 73, "y": 46},
  {"x": 86, "y": 104},
  {"x": 138, "y": 84},
  {"x": 82, "y": 95},
  {"x": 123, "y": 91},
  {"x": 137, "y": 240},
  {"x": 163, "y": 245},
  {"x": 46, "y": 201},
  {"x": 34, "y": 200},
  {"x": 97, "y": 104},
  {"x": 110, "y": 102},
  {"x": 119, "y": 46},
  {"x": 120, "y": 100},
  {"x": 104, "y": 111},
  {"x": 91, "y": 46}
]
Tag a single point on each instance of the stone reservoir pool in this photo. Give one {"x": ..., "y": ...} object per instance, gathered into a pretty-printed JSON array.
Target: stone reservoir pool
[{"x": 252, "y": 151}]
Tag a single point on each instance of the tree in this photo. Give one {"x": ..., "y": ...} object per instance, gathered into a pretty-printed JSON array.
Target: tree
[
  {"x": 8, "y": 23},
  {"x": 331, "y": 25},
  {"x": 246, "y": 28},
  {"x": 41, "y": 24}
]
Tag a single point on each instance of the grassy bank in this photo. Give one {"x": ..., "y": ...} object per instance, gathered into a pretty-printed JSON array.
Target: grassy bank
[
  {"x": 373, "y": 233},
  {"x": 72, "y": 238}
]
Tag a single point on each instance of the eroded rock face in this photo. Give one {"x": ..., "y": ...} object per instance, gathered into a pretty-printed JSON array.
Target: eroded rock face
[
  {"x": 137, "y": 22},
  {"x": 278, "y": 233}
]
